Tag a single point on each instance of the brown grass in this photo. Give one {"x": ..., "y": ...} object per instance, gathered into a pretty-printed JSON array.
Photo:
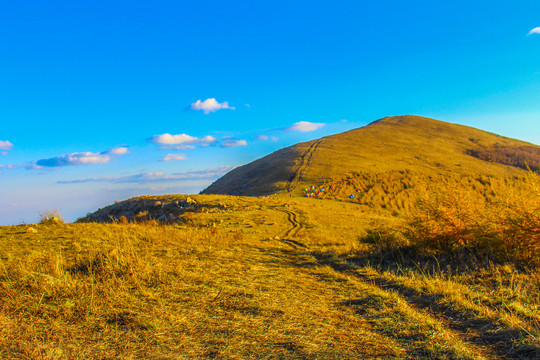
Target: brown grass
[
  {"x": 426, "y": 146},
  {"x": 504, "y": 226},
  {"x": 269, "y": 278}
]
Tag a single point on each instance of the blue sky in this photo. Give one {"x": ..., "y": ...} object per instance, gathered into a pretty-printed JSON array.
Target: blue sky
[{"x": 103, "y": 100}]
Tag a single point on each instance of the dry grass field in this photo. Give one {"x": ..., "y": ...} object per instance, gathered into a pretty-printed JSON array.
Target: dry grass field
[
  {"x": 272, "y": 278},
  {"x": 407, "y": 239}
]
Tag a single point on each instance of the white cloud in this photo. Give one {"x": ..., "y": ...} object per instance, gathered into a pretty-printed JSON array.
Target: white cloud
[
  {"x": 5, "y": 145},
  {"x": 210, "y": 105},
  {"x": 83, "y": 158},
  {"x": 304, "y": 126},
  {"x": 209, "y": 139},
  {"x": 536, "y": 30},
  {"x": 182, "y": 141},
  {"x": 174, "y": 157},
  {"x": 119, "y": 150},
  {"x": 152, "y": 177},
  {"x": 168, "y": 139},
  {"x": 233, "y": 143}
]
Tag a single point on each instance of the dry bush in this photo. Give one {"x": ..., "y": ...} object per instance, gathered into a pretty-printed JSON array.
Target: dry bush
[
  {"x": 524, "y": 157},
  {"x": 456, "y": 216},
  {"x": 50, "y": 217}
]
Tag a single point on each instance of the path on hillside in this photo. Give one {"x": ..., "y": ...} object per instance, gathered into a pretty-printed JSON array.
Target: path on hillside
[
  {"x": 302, "y": 166},
  {"x": 425, "y": 321},
  {"x": 294, "y": 227}
]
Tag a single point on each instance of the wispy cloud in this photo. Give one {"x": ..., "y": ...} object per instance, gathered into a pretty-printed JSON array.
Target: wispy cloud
[
  {"x": 233, "y": 143},
  {"x": 4, "y": 153},
  {"x": 182, "y": 141},
  {"x": 28, "y": 166},
  {"x": 5, "y": 145},
  {"x": 267, "y": 138},
  {"x": 536, "y": 30},
  {"x": 174, "y": 157},
  {"x": 82, "y": 158},
  {"x": 151, "y": 177},
  {"x": 210, "y": 105},
  {"x": 86, "y": 158},
  {"x": 304, "y": 126}
]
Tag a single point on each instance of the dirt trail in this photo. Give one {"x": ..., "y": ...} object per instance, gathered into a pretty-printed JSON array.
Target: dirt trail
[
  {"x": 301, "y": 168},
  {"x": 294, "y": 227},
  {"x": 439, "y": 324}
]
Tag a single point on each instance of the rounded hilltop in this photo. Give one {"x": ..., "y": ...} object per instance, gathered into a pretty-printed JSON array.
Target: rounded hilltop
[{"x": 398, "y": 143}]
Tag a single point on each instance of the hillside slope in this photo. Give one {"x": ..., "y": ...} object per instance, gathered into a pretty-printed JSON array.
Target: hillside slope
[
  {"x": 428, "y": 146},
  {"x": 253, "y": 278}
]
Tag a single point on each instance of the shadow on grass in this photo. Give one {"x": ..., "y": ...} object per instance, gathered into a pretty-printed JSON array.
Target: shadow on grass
[{"x": 505, "y": 342}]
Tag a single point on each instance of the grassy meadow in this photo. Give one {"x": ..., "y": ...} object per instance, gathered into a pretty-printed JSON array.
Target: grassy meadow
[{"x": 444, "y": 269}]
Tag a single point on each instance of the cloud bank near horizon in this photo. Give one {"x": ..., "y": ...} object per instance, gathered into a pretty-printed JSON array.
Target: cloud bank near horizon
[{"x": 151, "y": 177}]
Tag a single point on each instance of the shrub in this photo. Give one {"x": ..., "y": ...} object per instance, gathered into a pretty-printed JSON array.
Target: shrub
[
  {"x": 50, "y": 217},
  {"x": 454, "y": 216}
]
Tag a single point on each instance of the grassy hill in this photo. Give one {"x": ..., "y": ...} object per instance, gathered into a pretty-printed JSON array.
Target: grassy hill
[
  {"x": 412, "y": 143},
  {"x": 436, "y": 256}
]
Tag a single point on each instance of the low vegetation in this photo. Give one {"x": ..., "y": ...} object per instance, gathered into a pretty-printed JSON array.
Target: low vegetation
[
  {"x": 503, "y": 227},
  {"x": 281, "y": 278},
  {"x": 524, "y": 156},
  {"x": 50, "y": 216},
  {"x": 439, "y": 261}
]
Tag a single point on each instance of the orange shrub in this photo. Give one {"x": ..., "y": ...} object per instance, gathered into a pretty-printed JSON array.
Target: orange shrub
[{"x": 500, "y": 219}]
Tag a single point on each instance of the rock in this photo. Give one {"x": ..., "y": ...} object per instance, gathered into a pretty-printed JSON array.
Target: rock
[{"x": 31, "y": 230}]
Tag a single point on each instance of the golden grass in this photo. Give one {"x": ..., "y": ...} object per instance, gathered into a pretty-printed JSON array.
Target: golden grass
[
  {"x": 408, "y": 143},
  {"x": 139, "y": 291},
  {"x": 267, "y": 278},
  {"x": 503, "y": 224}
]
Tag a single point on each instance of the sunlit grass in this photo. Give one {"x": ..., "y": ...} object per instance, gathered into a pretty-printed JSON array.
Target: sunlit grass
[{"x": 238, "y": 277}]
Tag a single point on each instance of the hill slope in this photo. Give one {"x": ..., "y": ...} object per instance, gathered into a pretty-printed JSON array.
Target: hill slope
[{"x": 429, "y": 146}]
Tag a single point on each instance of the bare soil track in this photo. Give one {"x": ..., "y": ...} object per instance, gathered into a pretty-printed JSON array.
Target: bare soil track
[
  {"x": 300, "y": 169},
  {"x": 294, "y": 226}
]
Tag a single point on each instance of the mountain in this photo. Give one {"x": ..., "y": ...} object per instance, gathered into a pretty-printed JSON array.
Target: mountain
[{"x": 397, "y": 143}]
